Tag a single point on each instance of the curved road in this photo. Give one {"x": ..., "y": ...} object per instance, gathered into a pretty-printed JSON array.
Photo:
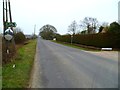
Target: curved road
[{"x": 58, "y": 66}]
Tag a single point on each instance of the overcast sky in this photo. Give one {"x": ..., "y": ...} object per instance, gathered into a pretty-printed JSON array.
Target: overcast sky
[{"x": 59, "y": 13}]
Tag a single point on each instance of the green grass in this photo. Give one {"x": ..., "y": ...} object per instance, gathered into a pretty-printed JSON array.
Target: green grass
[
  {"x": 74, "y": 46},
  {"x": 18, "y": 77},
  {"x": 0, "y": 77}
]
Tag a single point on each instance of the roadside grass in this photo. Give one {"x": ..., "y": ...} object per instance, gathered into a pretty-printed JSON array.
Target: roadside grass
[
  {"x": 0, "y": 77},
  {"x": 18, "y": 77},
  {"x": 75, "y": 46}
]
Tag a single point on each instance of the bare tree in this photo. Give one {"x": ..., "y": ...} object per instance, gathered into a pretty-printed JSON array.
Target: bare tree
[
  {"x": 95, "y": 24},
  {"x": 17, "y": 29},
  {"x": 90, "y": 24},
  {"x": 72, "y": 27}
]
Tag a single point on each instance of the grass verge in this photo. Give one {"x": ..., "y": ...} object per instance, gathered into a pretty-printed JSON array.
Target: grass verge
[
  {"x": 75, "y": 46},
  {"x": 18, "y": 77}
]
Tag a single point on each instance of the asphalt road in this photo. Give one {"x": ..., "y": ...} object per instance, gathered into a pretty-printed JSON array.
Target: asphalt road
[{"x": 58, "y": 66}]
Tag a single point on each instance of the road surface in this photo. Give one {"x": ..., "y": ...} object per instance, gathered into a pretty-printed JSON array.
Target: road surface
[{"x": 58, "y": 66}]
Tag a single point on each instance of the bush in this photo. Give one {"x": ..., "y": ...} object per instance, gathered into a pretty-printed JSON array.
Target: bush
[
  {"x": 114, "y": 28},
  {"x": 19, "y": 38}
]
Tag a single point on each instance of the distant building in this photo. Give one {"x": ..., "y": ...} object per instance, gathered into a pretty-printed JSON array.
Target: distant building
[
  {"x": 28, "y": 36},
  {"x": 104, "y": 30},
  {"x": 119, "y": 12}
]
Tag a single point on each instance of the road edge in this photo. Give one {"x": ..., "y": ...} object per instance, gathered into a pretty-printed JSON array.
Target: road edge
[{"x": 33, "y": 67}]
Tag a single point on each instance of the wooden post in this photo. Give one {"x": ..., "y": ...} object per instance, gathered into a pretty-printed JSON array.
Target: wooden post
[
  {"x": 6, "y": 13},
  {"x": 3, "y": 17},
  {"x": 11, "y": 22},
  {"x": 10, "y": 11}
]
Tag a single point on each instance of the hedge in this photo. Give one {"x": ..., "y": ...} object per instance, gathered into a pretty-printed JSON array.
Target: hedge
[{"x": 97, "y": 40}]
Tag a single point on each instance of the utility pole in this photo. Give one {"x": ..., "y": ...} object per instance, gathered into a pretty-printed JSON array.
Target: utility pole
[
  {"x": 3, "y": 17},
  {"x": 34, "y": 31},
  {"x": 119, "y": 12},
  {"x": 11, "y": 22},
  {"x": 6, "y": 30},
  {"x": 10, "y": 12},
  {"x": 6, "y": 12},
  {"x": 34, "y": 28}
]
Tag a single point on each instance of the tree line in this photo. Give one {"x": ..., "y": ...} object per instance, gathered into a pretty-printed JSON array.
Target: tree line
[
  {"x": 91, "y": 25},
  {"x": 88, "y": 25},
  {"x": 89, "y": 32}
]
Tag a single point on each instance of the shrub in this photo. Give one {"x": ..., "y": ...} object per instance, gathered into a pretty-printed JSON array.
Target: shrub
[
  {"x": 114, "y": 28},
  {"x": 19, "y": 38}
]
